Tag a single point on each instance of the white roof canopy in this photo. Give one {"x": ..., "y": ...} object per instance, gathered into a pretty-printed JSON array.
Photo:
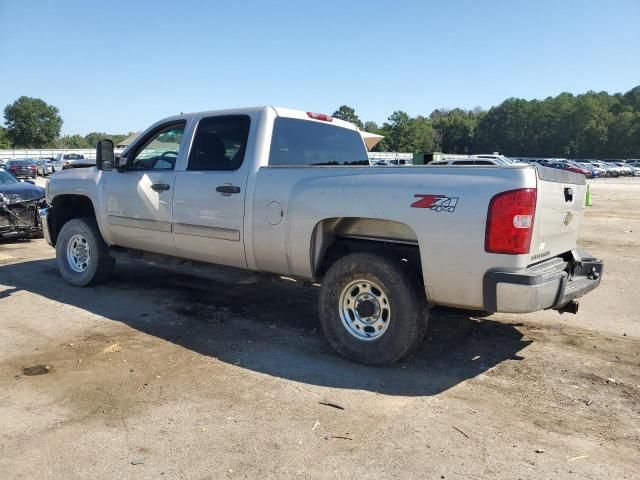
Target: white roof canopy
[{"x": 371, "y": 139}]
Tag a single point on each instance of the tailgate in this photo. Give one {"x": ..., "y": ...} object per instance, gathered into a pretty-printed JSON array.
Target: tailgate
[{"x": 559, "y": 210}]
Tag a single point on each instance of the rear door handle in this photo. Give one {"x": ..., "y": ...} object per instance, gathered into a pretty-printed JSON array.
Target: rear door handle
[
  {"x": 227, "y": 189},
  {"x": 160, "y": 187}
]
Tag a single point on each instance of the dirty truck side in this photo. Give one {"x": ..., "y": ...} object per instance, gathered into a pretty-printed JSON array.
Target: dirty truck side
[{"x": 291, "y": 193}]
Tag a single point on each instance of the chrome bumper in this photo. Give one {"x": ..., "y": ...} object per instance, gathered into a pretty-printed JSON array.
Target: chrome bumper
[
  {"x": 550, "y": 284},
  {"x": 44, "y": 221}
]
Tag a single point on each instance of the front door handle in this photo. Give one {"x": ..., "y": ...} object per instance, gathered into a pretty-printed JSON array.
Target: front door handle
[
  {"x": 160, "y": 187},
  {"x": 227, "y": 189}
]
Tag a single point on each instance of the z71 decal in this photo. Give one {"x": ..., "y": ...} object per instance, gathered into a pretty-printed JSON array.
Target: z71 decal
[{"x": 437, "y": 203}]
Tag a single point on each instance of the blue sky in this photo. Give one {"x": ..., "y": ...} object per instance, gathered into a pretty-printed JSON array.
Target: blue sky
[{"x": 118, "y": 66}]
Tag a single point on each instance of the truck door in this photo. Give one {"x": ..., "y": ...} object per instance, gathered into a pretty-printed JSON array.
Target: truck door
[
  {"x": 208, "y": 202},
  {"x": 139, "y": 199}
]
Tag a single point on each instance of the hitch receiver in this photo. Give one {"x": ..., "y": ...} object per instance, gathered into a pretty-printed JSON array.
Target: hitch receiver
[{"x": 571, "y": 307}]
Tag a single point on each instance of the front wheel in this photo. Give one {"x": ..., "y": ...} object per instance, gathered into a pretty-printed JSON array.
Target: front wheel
[
  {"x": 372, "y": 309},
  {"x": 81, "y": 253}
]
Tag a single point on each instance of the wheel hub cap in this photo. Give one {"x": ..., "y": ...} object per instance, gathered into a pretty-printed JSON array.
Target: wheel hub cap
[
  {"x": 364, "y": 310},
  {"x": 78, "y": 253}
]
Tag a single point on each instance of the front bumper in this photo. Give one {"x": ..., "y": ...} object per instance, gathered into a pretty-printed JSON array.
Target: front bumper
[
  {"x": 550, "y": 284},
  {"x": 20, "y": 218},
  {"x": 44, "y": 221}
]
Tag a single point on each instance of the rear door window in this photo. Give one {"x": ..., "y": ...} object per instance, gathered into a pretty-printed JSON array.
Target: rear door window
[
  {"x": 302, "y": 142},
  {"x": 220, "y": 143}
]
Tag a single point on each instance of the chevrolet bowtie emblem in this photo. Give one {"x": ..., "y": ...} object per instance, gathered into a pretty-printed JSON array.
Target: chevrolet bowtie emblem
[{"x": 567, "y": 218}]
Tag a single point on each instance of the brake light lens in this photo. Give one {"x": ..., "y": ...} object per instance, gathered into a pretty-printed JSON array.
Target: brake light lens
[
  {"x": 510, "y": 222},
  {"x": 320, "y": 116}
]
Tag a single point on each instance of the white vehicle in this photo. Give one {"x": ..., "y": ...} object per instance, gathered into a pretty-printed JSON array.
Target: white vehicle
[
  {"x": 64, "y": 161},
  {"x": 468, "y": 160},
  {"x": 626, "y": 169},
  {"x": 291, "y": 193},
  {"x": 499, "y": 159}
]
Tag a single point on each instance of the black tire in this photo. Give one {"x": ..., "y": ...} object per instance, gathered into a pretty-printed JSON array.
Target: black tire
[
  {"x": 407, "y": 321},
  {"x": 100, "y": 265}
]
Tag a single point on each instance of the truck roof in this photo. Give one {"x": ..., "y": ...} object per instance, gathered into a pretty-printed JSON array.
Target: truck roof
[{"x": 280, "y": 111}]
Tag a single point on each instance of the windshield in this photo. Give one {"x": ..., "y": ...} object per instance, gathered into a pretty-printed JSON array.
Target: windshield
[{"x": 7, "y": 179}]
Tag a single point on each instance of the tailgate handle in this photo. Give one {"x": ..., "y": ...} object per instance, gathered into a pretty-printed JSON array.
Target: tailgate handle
[{"x": 568, "y": 194}]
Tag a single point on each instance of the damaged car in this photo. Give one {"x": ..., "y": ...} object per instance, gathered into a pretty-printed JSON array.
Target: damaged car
[{"x": 19, "y": 204}]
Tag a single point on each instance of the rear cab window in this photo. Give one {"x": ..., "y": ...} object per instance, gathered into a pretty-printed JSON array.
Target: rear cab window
[{"x": 297, "y": 142}]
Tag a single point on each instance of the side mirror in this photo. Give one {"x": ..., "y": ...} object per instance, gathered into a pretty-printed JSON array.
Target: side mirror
[
  {"x": 121, "y": 163},
  {"x": 29, "y": 181},
  {"x": 105, "y": 155}
]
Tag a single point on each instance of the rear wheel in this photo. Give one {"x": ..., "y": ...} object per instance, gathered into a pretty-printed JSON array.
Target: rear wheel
[
  {"x": 81, "y": 253},
  {"x": 372, "y": 309}
]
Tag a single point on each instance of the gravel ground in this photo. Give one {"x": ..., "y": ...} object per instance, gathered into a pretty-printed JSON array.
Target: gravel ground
[{"x": 167, "y": 376}]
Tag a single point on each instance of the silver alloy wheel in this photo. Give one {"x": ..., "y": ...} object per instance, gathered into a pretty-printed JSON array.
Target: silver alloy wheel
[
  {"x": 365, "y": 310},
  {"x": 78, "y": 253}
]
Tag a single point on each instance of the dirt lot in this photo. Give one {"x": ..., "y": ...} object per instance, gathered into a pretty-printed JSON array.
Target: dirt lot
[{"x": 166, "y": 376}]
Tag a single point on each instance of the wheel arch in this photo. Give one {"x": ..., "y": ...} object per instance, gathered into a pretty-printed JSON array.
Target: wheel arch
[
  {"x": 335, "y": 237},
  {"x": 66, "y": 207}
]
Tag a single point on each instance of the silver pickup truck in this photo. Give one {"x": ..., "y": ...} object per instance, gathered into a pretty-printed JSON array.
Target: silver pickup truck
[{"x": 291, "y": 193}]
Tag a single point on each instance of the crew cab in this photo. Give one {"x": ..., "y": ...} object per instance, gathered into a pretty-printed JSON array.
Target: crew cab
[{"x": 291, "y": 193}]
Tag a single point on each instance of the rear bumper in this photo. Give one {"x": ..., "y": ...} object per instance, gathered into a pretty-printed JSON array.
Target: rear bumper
[{"x": 550, "y": 284}]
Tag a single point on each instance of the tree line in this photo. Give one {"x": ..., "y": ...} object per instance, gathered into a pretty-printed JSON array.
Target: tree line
[
  {"x": 589, "y": 125},
  {"x": 32, "y": 123}
]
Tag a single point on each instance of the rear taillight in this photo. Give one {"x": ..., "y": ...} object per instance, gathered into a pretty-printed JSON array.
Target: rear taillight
[
  {"x": 320, "y": 116},
  {"x": 510, "y": 222}
]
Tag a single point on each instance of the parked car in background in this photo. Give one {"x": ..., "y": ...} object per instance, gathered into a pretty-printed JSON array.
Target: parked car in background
[
  {"x": 497, "y": 159},
  {"x": 596, "y": 172},
  {"x": 616, "y": 168},
  {"x": 626, "y": 169},
  {"x": 542, "y": 161},
  {"x": 610, "y": 171},
  {"x": 464, "y": 162},
  {"x": 65, "y": 161},
  {"x": 22, "y": 168},
  {"x": 44, "y": 167},
  {"x": 19, "y": 204},
  {"x": 569, "y": 167},
  {"x": 586, "y": 171}
]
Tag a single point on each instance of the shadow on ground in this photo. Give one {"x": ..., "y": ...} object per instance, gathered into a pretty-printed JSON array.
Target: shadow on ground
[{"x": 271, "y": 327}]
